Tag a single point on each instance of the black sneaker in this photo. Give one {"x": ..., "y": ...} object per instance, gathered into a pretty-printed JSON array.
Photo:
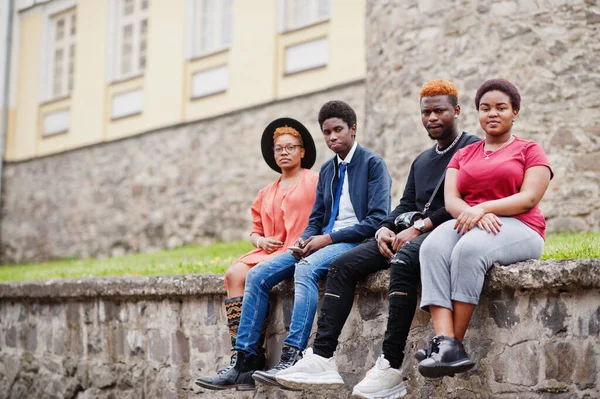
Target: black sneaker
[
  {"x": 448, "y": 357},
  {"x": 289, "y": 357},
  {"x": 238, "y": 375}
]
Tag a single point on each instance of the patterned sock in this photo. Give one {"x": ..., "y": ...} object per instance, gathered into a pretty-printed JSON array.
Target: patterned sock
[{"x": 233, "y": 308}]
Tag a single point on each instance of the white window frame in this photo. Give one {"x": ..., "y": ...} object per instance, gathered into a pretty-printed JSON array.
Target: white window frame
[
  {"x": 216, "y": 80},
  {"x": 287, "y": 17},
  {"x": 56, "y": 122},
  {"x": 117, "y": 22},
  {"x": 51, "y": 10},
  {"x": 221, "y": 30},
  {"x": 306, "y": 56},
  {"x": 127, "y": 104}
]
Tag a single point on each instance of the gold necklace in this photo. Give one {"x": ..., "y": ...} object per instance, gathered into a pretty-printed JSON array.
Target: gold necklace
[
  {"x": 488, "y": 153},
  {"x": 293, "y": 182}
]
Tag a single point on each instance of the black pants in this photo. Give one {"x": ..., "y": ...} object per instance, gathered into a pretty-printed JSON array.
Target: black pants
[{"x": 344, "y": 274}]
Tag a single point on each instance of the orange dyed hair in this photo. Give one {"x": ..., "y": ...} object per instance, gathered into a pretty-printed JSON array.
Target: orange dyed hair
[
  {"x": 280, "y": 131},
  {"x": 440, "y": 87}
]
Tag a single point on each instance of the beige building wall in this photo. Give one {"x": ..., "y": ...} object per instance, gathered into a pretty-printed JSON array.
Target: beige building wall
[
  {"x": 22, "y": 142},
  {"x": 255, "y": 61}
]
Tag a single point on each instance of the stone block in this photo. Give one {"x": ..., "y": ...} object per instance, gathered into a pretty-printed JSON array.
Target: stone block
[
  {"x": 560, "y": 358},
  {"x": 180, "y": 347},
  {"x": 158, "y": 346},
  {"x": 90, "y": 312},
  {"x": 95, "y": 343},
  {"x": 10, "y": 337},
  {"x": 570, "y": 363},
  {"x": 116, "y": 342},
  {"x": 76, "y": 341},
  {"x": 59, "y": 337},
  {"x": 135, "y": 343},
  {"x": 73, "y": 314},
  {"x": 503, "y": 309},
  {"x": 518, "y": 365},
  {"x": 553, "y": 315},
  {"x": 592, "y": 17},
  {"x": 587, "y": 162},
  {"x": 102, "y": 376}
]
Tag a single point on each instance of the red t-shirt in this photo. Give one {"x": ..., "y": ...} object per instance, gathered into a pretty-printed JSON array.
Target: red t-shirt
[{"x": 500, "y": 176}]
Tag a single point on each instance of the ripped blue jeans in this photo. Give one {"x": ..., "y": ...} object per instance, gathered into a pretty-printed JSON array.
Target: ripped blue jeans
[{"x": 264, "y": 276}]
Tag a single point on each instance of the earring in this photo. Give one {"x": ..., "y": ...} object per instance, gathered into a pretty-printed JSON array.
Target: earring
[
  {"x": 455, "y": 116},
  {"x": 513, "y": 121}
]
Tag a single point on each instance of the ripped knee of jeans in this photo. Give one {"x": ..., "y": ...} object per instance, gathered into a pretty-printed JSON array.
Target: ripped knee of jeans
[
  {"x": 303, "y": 269},
  {"x": 333, "y": 269}
]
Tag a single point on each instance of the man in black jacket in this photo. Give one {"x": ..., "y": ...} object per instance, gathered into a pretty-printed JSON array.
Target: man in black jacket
[{"x": 396, "y": 246}]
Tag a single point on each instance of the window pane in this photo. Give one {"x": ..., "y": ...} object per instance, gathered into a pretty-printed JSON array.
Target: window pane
[
  {"x": 324, "y": 9},
  {"x": 144, "y": 4},
  {"x": 127, "y": 7},
  {"x": 57, "y": 75},
  {"x": 71, "y": 68},
  {"x": 302, "y": 13},
  {"x": 73, "y": 24},
  {"x": 142, "y": 53},
  {"x": 126, "y": 49},
  {"x": 208, "y": 25},
  {"x": 226, "y": 23},
  {"x": 60, "y": 29}
]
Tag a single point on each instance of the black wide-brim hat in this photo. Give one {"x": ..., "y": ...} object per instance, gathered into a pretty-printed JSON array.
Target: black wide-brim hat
[{"x": 266, "y": 143}]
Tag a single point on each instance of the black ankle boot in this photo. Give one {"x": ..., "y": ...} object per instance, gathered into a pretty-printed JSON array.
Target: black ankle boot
[
  {"x": 423, "y": 354},
  {"x": 289, "y": 357},
  {"x": 448, "y": 357},
  {"x": 238, "y": 375}
]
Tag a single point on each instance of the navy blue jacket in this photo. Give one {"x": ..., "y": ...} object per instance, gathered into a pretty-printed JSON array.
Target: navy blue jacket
[{"x": 370, "y": 185}]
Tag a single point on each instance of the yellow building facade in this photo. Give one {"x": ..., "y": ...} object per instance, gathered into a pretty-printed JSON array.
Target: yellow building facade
[{"x": 90, "y": 71}]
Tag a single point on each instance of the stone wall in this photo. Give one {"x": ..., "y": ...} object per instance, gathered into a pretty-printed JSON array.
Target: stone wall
[
  {"x": 535, "y": 334},
  {"x": 550, "y": 49},
  {"x": 192, "y": 183}
]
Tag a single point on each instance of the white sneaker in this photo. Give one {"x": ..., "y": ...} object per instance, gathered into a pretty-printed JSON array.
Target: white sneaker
[
  {"x": 312, "y": 372},
  {"x": 381, "y": 382}
]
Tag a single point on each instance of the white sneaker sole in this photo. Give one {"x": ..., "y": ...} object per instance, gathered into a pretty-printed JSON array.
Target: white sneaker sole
[
  {"x": 311, "y": 382},
  {"x": 398, "y": 391}
]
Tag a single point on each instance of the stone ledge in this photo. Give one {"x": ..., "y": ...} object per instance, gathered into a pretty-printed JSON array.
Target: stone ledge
[{"x": 550, "y": 275}]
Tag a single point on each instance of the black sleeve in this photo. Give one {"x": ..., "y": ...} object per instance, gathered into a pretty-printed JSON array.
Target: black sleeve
[
  {"x": 407, "y": 202},
  {"x": 439, "y": 216}
]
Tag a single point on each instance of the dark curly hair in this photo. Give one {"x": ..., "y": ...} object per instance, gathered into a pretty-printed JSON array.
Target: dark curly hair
[
  {"x": 337, "y": 109},
  {"x": 500, "y": 85}
]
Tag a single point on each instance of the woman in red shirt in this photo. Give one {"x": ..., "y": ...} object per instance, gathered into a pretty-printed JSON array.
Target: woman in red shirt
[
  {"x": 492, "y": 189},
  {"x": 280, "y": 211}
]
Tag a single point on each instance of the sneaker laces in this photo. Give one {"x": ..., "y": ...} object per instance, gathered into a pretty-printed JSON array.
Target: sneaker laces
[
  {"x": 435, "y": 343},
  {"x": 288, "y": 356},
  {"x": 232, "y": 362},
  {"x": 380, "y": 368},
  {"x": 310, "y": 360}
]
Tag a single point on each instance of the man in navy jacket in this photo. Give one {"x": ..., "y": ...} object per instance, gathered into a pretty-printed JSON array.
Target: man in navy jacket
[{"x": 352, "y": 199}]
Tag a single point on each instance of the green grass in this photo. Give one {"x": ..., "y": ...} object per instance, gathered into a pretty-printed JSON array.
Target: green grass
[
  {"x": 216, "y": 258},
  {"x": 572, "y": 246},
  {"x": 185, "y": 260}
]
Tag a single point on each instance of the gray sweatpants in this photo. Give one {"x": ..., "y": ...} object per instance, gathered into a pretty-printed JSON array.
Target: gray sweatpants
[{"x": 453, "y": 266}]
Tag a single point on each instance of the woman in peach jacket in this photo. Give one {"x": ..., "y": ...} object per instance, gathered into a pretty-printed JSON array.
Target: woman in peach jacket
[{"x": 281, "y": 209}]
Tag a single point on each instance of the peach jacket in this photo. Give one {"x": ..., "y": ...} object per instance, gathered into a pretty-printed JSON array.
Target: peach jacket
[{"x": 296, "y": 206}]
